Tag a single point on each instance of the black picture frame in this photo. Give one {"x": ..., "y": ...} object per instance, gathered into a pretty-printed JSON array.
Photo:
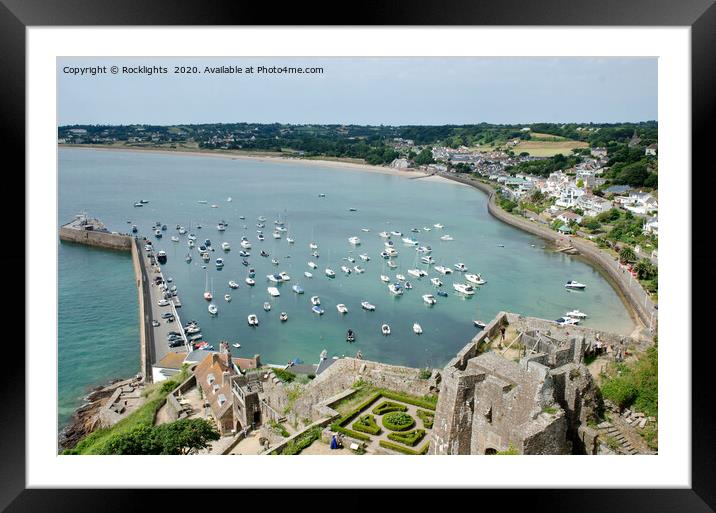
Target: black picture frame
[{"x": 700, "y": 15}]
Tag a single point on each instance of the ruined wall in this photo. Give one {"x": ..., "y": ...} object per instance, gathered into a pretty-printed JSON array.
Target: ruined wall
[
  {"x": 546, "y": 435},
  {"x": 99, "y": 239}
]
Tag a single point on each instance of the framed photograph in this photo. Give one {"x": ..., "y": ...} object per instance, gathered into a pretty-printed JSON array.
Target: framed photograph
[{"x": 391, "y": 250}]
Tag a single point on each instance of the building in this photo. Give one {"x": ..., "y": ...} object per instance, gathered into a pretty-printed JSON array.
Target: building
[
  {"x": 651, "y": 149},
  {"x": 568, "y": 217},
  {"x": 568, "y": 197},
  {"x": 214, "y": 375},
  {"x": 599, "y": 152},
  {"x": 652, "y": 225},
  {"x": 593, "y": 205}
]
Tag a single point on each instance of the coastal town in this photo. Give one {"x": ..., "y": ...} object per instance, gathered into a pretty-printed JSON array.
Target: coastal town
[{"x": 534, "y": 386}]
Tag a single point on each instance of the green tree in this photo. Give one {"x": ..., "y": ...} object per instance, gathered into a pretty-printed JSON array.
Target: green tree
[
  {"x": 627, "y": 255},
  {"x": 645, "y": 269},
  {"x": 425, "y": 157},
  {"x": 185, "y": 435}
]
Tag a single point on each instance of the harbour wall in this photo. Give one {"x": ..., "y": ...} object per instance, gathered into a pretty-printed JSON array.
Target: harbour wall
[
  {"x": 635, "y": 297},
  {"x": 146, "y": 333},
  {"x": 109, "y": 240}
]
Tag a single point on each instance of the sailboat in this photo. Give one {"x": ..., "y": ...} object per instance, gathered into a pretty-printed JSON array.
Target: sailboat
[{"x": 207, "y": 295}]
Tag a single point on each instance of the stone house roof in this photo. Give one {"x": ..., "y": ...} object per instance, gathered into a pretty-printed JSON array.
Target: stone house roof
[{"x": 213, "y": 375}]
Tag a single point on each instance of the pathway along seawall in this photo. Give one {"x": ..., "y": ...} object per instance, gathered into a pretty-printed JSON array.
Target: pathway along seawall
[
  {"x": 636, "y": 297},
  {"x": 146, "y": 333}
]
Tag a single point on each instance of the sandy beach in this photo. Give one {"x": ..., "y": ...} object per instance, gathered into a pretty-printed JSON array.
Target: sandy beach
[{"x": 348, "y": 166}]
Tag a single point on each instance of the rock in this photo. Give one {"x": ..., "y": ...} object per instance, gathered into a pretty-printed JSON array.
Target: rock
[{"x": 642, "y": 423}]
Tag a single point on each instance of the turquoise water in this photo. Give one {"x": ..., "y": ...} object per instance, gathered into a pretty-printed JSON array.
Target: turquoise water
[{"x": 522, "y": 276}]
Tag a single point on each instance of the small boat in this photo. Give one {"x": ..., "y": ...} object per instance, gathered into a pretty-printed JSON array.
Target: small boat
[
  {"x": 276, "y": 235},
  {"x": 164, "y": 227},
  {"x": 158, "y": 233},
  {"x": 313, "y": 245},
  {"x": 391, "y": 252},
  {"x": 409, "y": 241},
  {"x": 446, "y": 237},
  {"x": 312, "y": 265},
  {"x": 208, "y": 296},
  {"x": 283, "y": 317},
  {"x": 352, "y": 209},
  {"x": 384, "y": 278},
  {"x": 415, "y": 272},
  {"x": 408, "y": 285},
  {"x": 385, "y": 235},
  {"x": 345, "y": 269},
  {"x": 358, "y": 269},
  {"x": 214, "y": 206},
  {"x": 245, "y": 262},
  {"x": 426, "y": 228},
  {"x": 219, "y": 263},
  {"x": 233, "y": 284},
  {"x": 245, "y": 244},
  {"x": 318, "y": 310},
  {"x": 385, "y": 329},
  {"x": 475, "y": 278},
  {"x": 315, "y": 254},
  {"x": 267, "y": 306},
  {"x": 203, "y": 202},
  {"x": 392, "y": 264},
  {"x": 260, "y": 237},
  {"x": 261, "y": 219},
  {"x": 367, "y": 306},
  {"x": 438, "y": 225},
  {"x": 307, "y": 274},
  {"x": 182, "y": 230},
  {"x": 138, "y": 204},
  {"x": 424, "y": 249},
  {"x": 384, "y": 254},
  {"x": 571, "y": 284},
  {"x": 191, "y": 237},
  {"x": 576, "y": 314},
  {"x": 297, "y": 289},
  {"x": 175, "y": 238},
  {"x": 396, "y": 288},
  {"x": 315, "y": 300},
  {"x": 479, "y": 324},
  {"x": 253, "y": 320},
  {"x": 250, "y": 282},
  {"x": 188, "y": 258},
  {"x": 190, "y": 243},
  {"x": 213, "y": 310},
  {"x": 396, "y": 233},
  {"x": 464, "y": 288},
  {"x": 436, "y": 282},
  {"x": 273, "y": 292},
  {"x": 244, "y": 254},
  {"x": 460, "y": 267},
  {"x": 134, "y": 228},
  {"x": 427, "y": 260},
  {"x": 162, "y": 257},
  {"x": 443, "y": 270},
  {"x": 365, "y": 229},
  {"x": 221, "y": 227},
  {"x": 252, "y": 273},
  {"x": 400, "y": 277},
  {"x": 264, "y": 254},
  {"x": 417, "y": 328},
  {"x": 290, "y": 240},
  {"x": 350, "y": 259},
  {"x": 274, "y": 261},
  {"x": 350, "y": 336},
  {"x": 364, "y": 257},
  {"x": 429, "y": 299},
  {"x": 567, "y": 321},
  {"x": 322, "y": 195},
  {"x": 205, "y": 257},
  {"x": 415, "y": 230},
  {"x": 442, "y": 293},
  {"x": 227, "y": 297},
  {"x": 330, "y": 273},
  {"x": 228, "y": 199},
  {"x": 343, "y": 309},
  {"x": 236, "y": 345},
  {"x": 354, "y": 240},
  {"x": 225, "y": 246},
  {"x": 389, "y": 244}
]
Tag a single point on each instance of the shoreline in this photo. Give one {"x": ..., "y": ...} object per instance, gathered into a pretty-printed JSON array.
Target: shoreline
[
  {"x": 635, "y": 299},
  {"x": 228, "y": 154}
]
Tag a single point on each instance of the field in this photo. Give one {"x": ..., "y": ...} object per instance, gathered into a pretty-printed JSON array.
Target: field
[{"x": 548, "y": 148}]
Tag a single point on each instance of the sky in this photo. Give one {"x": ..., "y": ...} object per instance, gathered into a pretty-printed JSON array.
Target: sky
[{"x": 371, "y": 90}]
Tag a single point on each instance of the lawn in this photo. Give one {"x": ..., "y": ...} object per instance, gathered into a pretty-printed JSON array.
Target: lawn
[{"x": 548, "y": 148}]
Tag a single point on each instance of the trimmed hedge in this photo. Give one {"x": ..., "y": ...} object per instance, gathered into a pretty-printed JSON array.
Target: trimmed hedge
[
  {"x": 404, "y": 450},
  {"x": 410, "y": 438},
  {"x": 350, "y": 432},
  {"x": 299, "y": 443},
  {"x": 427, "y": 402},
  {"x": 398, "y": 421},
  {"x": 387, "y": 407},
  {"x": 366, "y": 424},
  {"x": 427, "y": 417}
]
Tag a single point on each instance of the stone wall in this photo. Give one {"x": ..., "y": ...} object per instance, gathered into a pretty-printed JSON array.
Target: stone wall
[{"x": 106, "y": 240}]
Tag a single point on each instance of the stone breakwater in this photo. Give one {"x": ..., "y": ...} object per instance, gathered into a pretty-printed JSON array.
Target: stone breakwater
[
  {"x": 108, "y": 240},
  {"x": 636, "y": 298}
]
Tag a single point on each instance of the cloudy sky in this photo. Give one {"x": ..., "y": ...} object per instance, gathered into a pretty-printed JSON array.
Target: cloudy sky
[{"x": 390, "y": 91}]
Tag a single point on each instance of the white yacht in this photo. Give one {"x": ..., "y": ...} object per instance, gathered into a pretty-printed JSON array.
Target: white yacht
[
  {"x": 446, "y": 237},
  {"x": 436, "y": 282},
  {"x": 571, "y": 284},
  {"x": 400, "y": 277},
  {"x": 345, "y": 269},
  {"x": 233, "y": 284},
  {"x": 409, "y": 241},
  {"x": 464, "y": 288},
  {"x": 384, "y": 278},
  {"x": 343, "y": 309},
  {"x": 253, "y": 320},
  {"x": 245, "y": 244},
  {"x": 358, "y": 269},
  {"x": 567, "y": 321},
  {"x": 213, "y": 310},
  {"x": 385, "y": 235},
  {"x": 227, "y": 297},
  {"x": 312, "y": 265},
  {"x": 414, "y": 272},
  {"x": 438, "y": 225},
  {"x": 276, "y": 278},
  {"x": 273, "y": 291},
  {"x": 330, "y": 273},
  {"x": 392, "y": 264},
  {"x": 365, "y": 305},
  {"x": 385, "y": 329},
  {"x": 267, "y": 306},
  {"x": 284, "y": 276},
  {"x": 250, "y": 281},
  {"x": 429, "y": 299},
  {"x": 175, "y": 238},
  {"x": 313, "y": 245},
  {"x": 576, "y": 314},
  {"x": 396, "y": 233},
  {"x": 307, "y": 274},
  {"x": 461, "y": 267},
  {"x": 443, "y": 270},
  {"x": 225, "y": 246},
  {"x": 417, "y": 328},
  {"x": 315, "y": 300},
  {"x": 354, "y": 240},
  {"x": 364, "y": 257},
  {"x": 427, "y": 260},
  {"x": 395, "y": 288},
  {"x": 475, "y": 278},
  {"x": 391, "y": 252}
]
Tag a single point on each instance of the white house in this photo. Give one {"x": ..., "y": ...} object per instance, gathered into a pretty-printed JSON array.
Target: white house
[
  {"x": 651, "y": 149},
  {"x": 593, "y": 205},
  {"x": 599, "y": 152},
  {"x": 566, "y": 217},
  {"x": 568, "y": 197},
  {"x": 652, "y": 225}
]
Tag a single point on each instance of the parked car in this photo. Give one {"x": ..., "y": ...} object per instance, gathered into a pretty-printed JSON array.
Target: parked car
[
  {"x": 163, "y": 302},
  {"x": 155, "y": 323},
  {"x": 166, "y": 315}
]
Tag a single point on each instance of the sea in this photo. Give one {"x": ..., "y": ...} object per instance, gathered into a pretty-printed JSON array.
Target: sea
[{"x": 98, "y": 336}]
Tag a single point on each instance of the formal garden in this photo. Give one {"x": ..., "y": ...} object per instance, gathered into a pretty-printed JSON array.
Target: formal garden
[{"x": 389, "y": 420}]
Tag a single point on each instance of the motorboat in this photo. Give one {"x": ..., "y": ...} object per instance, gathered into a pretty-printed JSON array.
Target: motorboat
[
  {"x": 322, "y": 195},
  {"x": 442, "y": 293},
  {"x": 396, "y": 288},
  {"x": 384, "y": 254},
  {"x": 475, "y": 278},
  {"x": 330, "y": 273},
  {"x": 214, "y": 206},
  {"x": 313, "y": 245},
  {"x": 315, "y": 300},
  {"x": 191, "y": 237},
  {"x": 384, "y": 278},
  {"x": 274, "y": 261},
  {"x": 365, "y": 305},
  {"x": 571, "y": 284},
  {"x": 365, "y": 229},
  {"x": 260, "y": 237},
  {"x": 250, "y": 281},
  {"x": 138, "y": 204},
  {"x": 350, "y": 259},
  {"x": 479, "y": 324},
  {"x": 318, "y": 310},
  {"x": 424, "y": 249},
  {"x": 354, "y": 240},
  {"x": 261, "y": 219},
  {"x": 409, "y": 241},
  {"x": 391, "y": 252},
  {"x": 312, "y": 265},
  {"x": 408, "y": 285},
  {"x": 429, "y": 299},
  {"x": 162, "y": 257},
  {"x": 415, "y": 230},
  {"x": 221, "y": 227},
  {"x": 164, "y": 227},
  {"x": 236, "y": 345},
  {"x": 276, "y": 235},
  {"x": 567, "y": 321},
  {"x": 276, "y": 278},
  {"x": 297, "y": 289},
  {"x": 417, "y": 329},
  {"x": 158, "y": 233},
  {"x": 190, "y": 243},
  {"x": 389, "y": 244},
  {"x": 267, "y": 306},
  {"x": 244, "y": 254},
  {"x": 438, "y": 225},
  {"x": 242, "y": 217},
  {"x": 205, "y": 256},
  {"x": 436, "y": 282},
  {"x": 284, "y": 276},
  {"x": 460, "y": 267},
  {"x": 273, "y": 292},
  {"x": 252, "y": 273},
  {"x": 392, "y": 264},
  {"x": 415, "y": 272},
  {"x": 427, "y": 260},
  {"x": 352, "y": 209},
  {"x": 227, "y": 297},
  {"x": 385, "y": 235},
  {"x": 175, "y": 238},
  {"x": 283, "y": 317},
  {"x": 426, "y": 228},
  {"x": 188, "y": 258},
  {"x": 345, "y": 269},
  {"x": 385, "y": 329},
  {"x": 464, "y": 288},
  {"x": 233, "y": 284},
  {"x": 342, "y": 309},
  {"x": 207, "y": 243},
  {"x": 400, "y": 277},
  {"x": 350, "y": 336},
  {"x": 253, "y": 320},
  {"x": 307, "y": 274},
  {"x": 364, "y": 257},
  {"x": 443, "y": 270},
  {"x": 208, "y": 296},
  {"x": 219, "y": 263},
  {"x": 134, "y": 228},
  {"x": 446, "y": 237},
  {"x": 396, "y": 233},
  {"x": 182, "y": 230},
  {"x": 290, "y": 240},
  {"x": 225, "y": 246},
  {"x": 264, "y": 254},
  {"x": 358, "y": 269},
  {"x": 213, "y": 310},
  {"x": 576, "y": 314},
  {"x": 245, "y": 262},
  {"x": 245, "y": 244}
]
